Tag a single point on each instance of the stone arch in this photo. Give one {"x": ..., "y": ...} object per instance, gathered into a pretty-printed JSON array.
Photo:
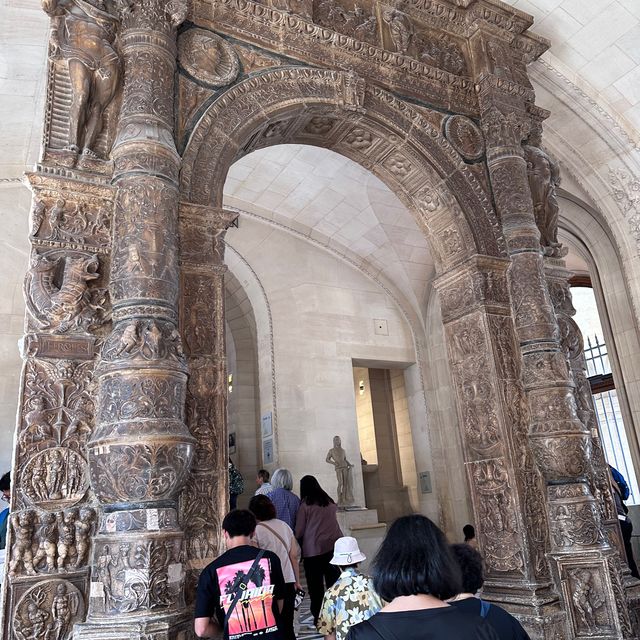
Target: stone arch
[{"x": 401, "y": 144}]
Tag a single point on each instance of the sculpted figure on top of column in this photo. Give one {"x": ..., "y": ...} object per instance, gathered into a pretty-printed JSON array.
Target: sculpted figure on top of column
[
  {"x": 83, "y": 34},
  {"x": 544, "y": 177}
]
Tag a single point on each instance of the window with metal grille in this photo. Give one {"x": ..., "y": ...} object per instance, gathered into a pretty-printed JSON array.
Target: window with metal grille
[{"x": 605, "y": 397}]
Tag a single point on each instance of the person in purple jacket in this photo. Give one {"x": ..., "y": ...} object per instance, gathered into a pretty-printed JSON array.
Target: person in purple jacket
[{"x": 317, "y": 529}]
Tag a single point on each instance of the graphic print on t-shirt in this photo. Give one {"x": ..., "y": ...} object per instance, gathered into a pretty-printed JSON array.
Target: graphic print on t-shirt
[{"x": 253, "y": 614}]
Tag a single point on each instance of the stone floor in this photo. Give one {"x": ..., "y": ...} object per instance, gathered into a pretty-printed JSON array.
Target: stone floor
[{"x": 303, "y": 632}]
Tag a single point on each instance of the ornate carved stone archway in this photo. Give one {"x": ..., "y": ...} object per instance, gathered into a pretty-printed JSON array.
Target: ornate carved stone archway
[{"x": 120, "y": 477}]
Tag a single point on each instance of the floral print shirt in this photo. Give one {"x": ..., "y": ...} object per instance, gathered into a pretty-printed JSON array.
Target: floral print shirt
[{"x": 349, "y": 601}]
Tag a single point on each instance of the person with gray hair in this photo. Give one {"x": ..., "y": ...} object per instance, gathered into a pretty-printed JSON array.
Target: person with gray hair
[{"x": 285, "y": 501}]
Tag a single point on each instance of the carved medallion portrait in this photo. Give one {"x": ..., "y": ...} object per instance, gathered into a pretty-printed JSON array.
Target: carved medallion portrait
[
  {"x": 208, "y": 58},
  {"x": 49, "y": 610},
  {"x": 55, "y": 477},
  {"x": 465, "y": 137}
]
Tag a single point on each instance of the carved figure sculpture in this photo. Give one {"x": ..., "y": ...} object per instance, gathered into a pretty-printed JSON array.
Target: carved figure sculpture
[
  {"x": 21, "y": 548},
  {"x": 338, "y": 458},
  {"x": 68, "y": 304},
  {"x": 47, "y": 541},
  {"x": 67, "y": 538},
  {"x": 83, "y": 34},
  {"x": 63, "y": 608},
  {"x": 400, "y": 29},
  {"x": 544, "y": 177},
  {"x": 585, "y": 599},
  {"x": 38, "y": 427},
  {"x": 36, "y": 626},
  {"x": 84, "y": 526}
]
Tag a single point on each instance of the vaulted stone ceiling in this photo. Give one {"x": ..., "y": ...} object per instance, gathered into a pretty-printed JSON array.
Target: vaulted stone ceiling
[
  {"x": 337, "y": 203},
  {"x": 596, "y": 44}
]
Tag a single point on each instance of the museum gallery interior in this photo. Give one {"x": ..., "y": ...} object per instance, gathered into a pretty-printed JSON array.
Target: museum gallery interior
[{"x": 404, "y": 234}]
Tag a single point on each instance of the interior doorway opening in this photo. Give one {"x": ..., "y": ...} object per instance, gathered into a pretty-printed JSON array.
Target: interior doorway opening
[{"x": 386, "y": 444}]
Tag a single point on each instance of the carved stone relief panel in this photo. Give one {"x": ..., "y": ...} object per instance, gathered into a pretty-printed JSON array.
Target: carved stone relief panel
[
  {"x": 78, "y": 220},
  {"x": 49, "y": 542},
  {"x": 496, "y": 505},
  {"x": 198, "y": 323},
  {"x": 348, "y": 18},
  {"x": 48, "y": 609},
  {"x": 58, "y": 294},
  {"x": 84, "y": 80},
  {"x": 583, "y": 586},
  {"x": 136, "y": 574},
  {"x": 475, "y": 386},
  {"x": 405, "y": 35}
]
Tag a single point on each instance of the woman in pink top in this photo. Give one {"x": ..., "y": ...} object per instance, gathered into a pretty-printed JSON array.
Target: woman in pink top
[{"x": 317, "y": 528}]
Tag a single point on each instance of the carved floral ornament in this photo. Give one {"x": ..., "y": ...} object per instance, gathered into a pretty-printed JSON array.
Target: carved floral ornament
[{"x": 504, "y": 129}]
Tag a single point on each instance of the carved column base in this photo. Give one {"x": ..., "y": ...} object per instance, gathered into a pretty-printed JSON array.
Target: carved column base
[
  {"x": 586, "y": 566},
  {"x": 138, "y": 573},
  {"x": 175, "y": 627}
]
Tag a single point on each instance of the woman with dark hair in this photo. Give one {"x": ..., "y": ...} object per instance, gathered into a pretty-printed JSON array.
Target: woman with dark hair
[
  {"x": 415, "y": 572},
  {"x": 470, "y": 563},
  {"x": 275, "y": 535},
  {"x": 318, "y": 529}
]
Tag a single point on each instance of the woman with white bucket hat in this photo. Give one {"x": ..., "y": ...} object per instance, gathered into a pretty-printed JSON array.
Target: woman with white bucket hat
[{"x": 352, "y": 599}]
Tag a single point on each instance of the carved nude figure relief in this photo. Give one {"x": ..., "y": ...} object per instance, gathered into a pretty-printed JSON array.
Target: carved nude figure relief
[{"x": 83, "y": 35}]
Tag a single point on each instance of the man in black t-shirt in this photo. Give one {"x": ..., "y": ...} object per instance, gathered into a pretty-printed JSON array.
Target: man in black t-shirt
[
  {"x": 257, "y": 611},
  {"x": 503, "y": 623}
]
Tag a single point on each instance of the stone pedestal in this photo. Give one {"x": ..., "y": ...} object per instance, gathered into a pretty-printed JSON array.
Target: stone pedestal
[{"x": 363, "y": 525}]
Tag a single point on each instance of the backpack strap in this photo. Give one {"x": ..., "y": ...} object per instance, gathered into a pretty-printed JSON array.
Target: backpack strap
[
  {"x": 239, "y": 591},
  {"x": 484, "y": 608}
]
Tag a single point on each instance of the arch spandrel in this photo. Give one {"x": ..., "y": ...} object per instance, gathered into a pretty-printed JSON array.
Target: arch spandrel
[{"x": 336, "y": 110}]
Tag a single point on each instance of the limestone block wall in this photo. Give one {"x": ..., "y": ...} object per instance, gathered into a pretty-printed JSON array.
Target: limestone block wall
[
  {"x": 405, "y": 440},
  {"x": 323, "y": 312},
  {"x": 14, "y": 247},
  {"x": 22, "y": 81}
]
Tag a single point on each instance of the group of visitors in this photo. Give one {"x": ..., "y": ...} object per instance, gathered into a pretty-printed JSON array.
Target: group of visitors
[{"x": 421, "y": 587}]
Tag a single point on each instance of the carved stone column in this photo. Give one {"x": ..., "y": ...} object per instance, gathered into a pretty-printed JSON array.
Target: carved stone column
[
  {"x": 506, "y": 488},
  {"x": 206, "y": 498},
  {"x": 140, "y": 452},
  {"x": 599, "y": 479},
  {"x": 584, "y": 564}
]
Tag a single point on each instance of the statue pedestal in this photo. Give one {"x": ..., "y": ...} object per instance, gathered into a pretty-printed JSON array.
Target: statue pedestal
[{"x": 363, "y": 525}]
